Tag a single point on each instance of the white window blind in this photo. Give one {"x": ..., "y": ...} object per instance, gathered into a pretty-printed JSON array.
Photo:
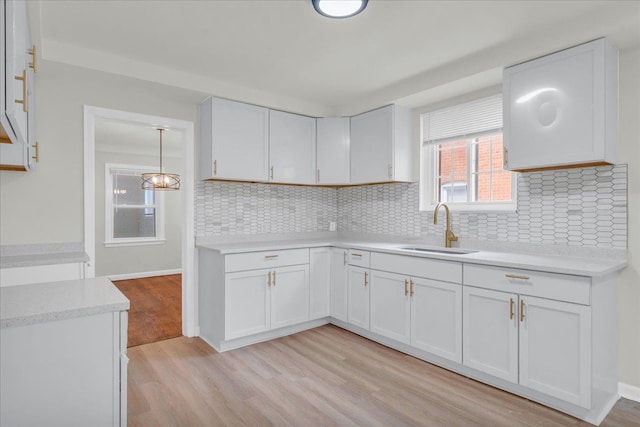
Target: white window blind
[{"x": 463, "y": 121}]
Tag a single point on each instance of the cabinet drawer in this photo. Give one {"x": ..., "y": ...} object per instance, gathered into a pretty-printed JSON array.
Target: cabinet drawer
[
  {"x": 446, "y": 271},
  {"x": 359, "y": 258},
  {"x": 265, "y": 259},
  {"x": 560, "y": 287}
]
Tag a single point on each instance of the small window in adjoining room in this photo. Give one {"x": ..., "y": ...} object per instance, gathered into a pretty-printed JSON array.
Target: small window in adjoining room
[
  {"x": 133, "y": 216},
  {"x": 462, "y": 158}
]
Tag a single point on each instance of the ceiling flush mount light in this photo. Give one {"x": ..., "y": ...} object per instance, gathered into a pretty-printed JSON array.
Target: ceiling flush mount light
[
  {"x": 160, "y": 180},
  {"x": 339, "y": 8}
]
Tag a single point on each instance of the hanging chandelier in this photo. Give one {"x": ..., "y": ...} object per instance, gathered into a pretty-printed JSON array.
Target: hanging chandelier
[{"x": 160, "y": 180}]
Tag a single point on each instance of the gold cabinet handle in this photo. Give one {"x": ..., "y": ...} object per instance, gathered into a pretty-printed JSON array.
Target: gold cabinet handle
[
  {"x": 33, "y": 64},
  {"x": 365, "y": 279},
  {"x": 269, "y": 281},
  {"x": 37, "y": 156},
  {"x": 215, "y": 167},
  {"x": 510, "y": 308},
  {"x": 344, "y": 258},
  {"x": 274, "y": 279},
  {"x": 269, "y": 257},
  {"x": 513, "y": 276},
  {"x": 505, "y": 156},
  {"x": 390, "y": 171},
  {"x": 272, "y": 172},
  {"x": 358, "y": 255},
  {"x": 522, "y": 310},
  {"x": 406, "y": 289},
  {"x": 25, "y": 99},
  {"x": 411, "y": 285}
]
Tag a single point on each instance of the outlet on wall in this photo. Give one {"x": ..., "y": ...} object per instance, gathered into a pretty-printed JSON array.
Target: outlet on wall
[{"x": 333, "y": 226}]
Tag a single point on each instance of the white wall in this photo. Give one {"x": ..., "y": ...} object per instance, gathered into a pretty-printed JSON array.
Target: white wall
[
  {"x": 143, "y": 258},
  {"x": 629, "y": 152},
  {"x": 46, "y": 206}
]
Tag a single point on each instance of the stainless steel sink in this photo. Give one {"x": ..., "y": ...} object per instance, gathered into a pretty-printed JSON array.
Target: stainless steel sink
[{"x": 438, "y": 250}]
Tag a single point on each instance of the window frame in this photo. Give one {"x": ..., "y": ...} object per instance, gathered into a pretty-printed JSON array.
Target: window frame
[
  {"x": 110, "y": 240},
  {"x": 428, "y": 179}
]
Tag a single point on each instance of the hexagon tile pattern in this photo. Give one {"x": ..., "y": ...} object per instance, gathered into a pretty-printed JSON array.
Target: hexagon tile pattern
[{"x": 574, "y": 207}]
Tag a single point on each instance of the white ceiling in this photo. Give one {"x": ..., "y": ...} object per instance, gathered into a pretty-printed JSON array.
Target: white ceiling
[
  {"x": 129, "y": 138},
  {"x": 284, "y": 55}
]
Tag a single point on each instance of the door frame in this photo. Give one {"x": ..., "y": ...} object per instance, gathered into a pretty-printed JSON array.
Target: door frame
[{"x": 186, "y": 128}]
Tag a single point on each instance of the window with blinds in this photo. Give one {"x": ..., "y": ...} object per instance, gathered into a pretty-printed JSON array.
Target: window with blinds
[
  {"x": 462, "y": 158},
  {"x": 133, "y": 216}
]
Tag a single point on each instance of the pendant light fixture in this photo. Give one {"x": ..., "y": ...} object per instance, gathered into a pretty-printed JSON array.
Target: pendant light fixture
[
  {"x": 339, "y": 8},
  {"x": 160, "y": 180}
]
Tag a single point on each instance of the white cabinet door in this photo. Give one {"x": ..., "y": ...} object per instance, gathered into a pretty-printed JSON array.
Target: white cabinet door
[
  {"x": 555, "y": 349},
  {"x": 15, "y": 157},
  {"x": 436, "y": 318},
  {"x": 390, "y": 306},
  {"x": 319, "y": 282},
  {"x": 561, "y": 109},
  {"x": 333, "y": 138},
  {"x": 17, "y": 43},
  {"x": 292, "y": 148},
  {"x": 371, "y": 145},
  {"x": 234, "y": 142},
  {"x": 490, "y": 332},
  {"x": 247, "y": 303},
  {"x": 289, "y": 295},
  {"x": 339, "y": 278},
  {"x": 381, "y": 148},
  {"x": 358, "y": 298}
]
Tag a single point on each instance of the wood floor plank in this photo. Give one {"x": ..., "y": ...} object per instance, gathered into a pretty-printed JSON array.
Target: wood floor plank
[{"x": 322, "y": 377}]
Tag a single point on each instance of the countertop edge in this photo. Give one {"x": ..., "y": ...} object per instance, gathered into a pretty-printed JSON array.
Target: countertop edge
[
  {"x": 32, "y": 319},
  {"x": 608, "y": 267}
]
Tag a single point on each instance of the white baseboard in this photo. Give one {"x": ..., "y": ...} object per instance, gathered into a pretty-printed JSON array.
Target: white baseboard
[
  {"x": 629, "y": 391},
  {"x": 143, "y": 274}
]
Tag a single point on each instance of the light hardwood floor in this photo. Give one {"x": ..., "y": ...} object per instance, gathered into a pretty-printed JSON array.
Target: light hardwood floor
[{"x": 321, "y": 377}]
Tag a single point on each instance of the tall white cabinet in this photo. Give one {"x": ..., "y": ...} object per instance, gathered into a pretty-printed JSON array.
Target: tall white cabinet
[
  {"x": 381, "y": 148},
  {"x": 234, "y": 141},
  {"x": 561, "y": 110},
  {"x": 292, "y": 148}
]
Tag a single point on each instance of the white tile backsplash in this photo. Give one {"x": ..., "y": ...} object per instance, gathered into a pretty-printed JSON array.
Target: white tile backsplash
[{"x": 584, "y": 207}]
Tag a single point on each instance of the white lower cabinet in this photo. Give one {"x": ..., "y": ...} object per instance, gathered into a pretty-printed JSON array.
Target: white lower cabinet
[
  {"x": 555, "y": 349},
  {"x": 541, "y": 344},
  {"x": 260, "y": 300},
  {"x": 390, "y": 306},
  {"x": 490, "y": 332},
  {"x": 358, "y": 297},
  {"x": 247, "y": 304},
  {"x": 339, "y": 280},
  {"x": 319, "y": 282},
  {"x": 436, "y": 317}
]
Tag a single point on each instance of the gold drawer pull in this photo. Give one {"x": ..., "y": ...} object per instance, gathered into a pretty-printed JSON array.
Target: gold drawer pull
[
  {"x": 274, "y": 279},
  {"x": 271, "y": 257},
  {"x": 522, "y": 310},
  {"x": 215, "y": 167},
  {"x": 37, "y": 155},
  {"x": 513, "y": 276},
  {"x": 269, "y": 282},
  {"x": 358, "y": 255},
  {"x": 25, "y": 99},
  {"x": 406, "y": 289},
  {"x": 33, "y": 64},
  {"x": 272, "y": 173},
  {"x": 366, "y": 275},
  {"x": 510, "y": 308},
  {"x": 411, "y": 285}
]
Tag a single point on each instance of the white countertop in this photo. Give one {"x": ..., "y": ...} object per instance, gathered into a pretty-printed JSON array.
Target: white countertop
[
  {"x": 12, "y": 256},
  {"x": 45, "y": 302},
  {"x": 563, "y": 264}
]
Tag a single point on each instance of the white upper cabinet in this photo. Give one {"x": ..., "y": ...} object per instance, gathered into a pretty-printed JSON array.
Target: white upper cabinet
[
  {"x": 561, "y": 110},
  {"x": 292, "y": 148},
  {"x": 332, "y": 151},
  {"x": 234, "y": 141},
  {"x": 381, "y": 148},
  {"x": 17, "y": 72}
]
